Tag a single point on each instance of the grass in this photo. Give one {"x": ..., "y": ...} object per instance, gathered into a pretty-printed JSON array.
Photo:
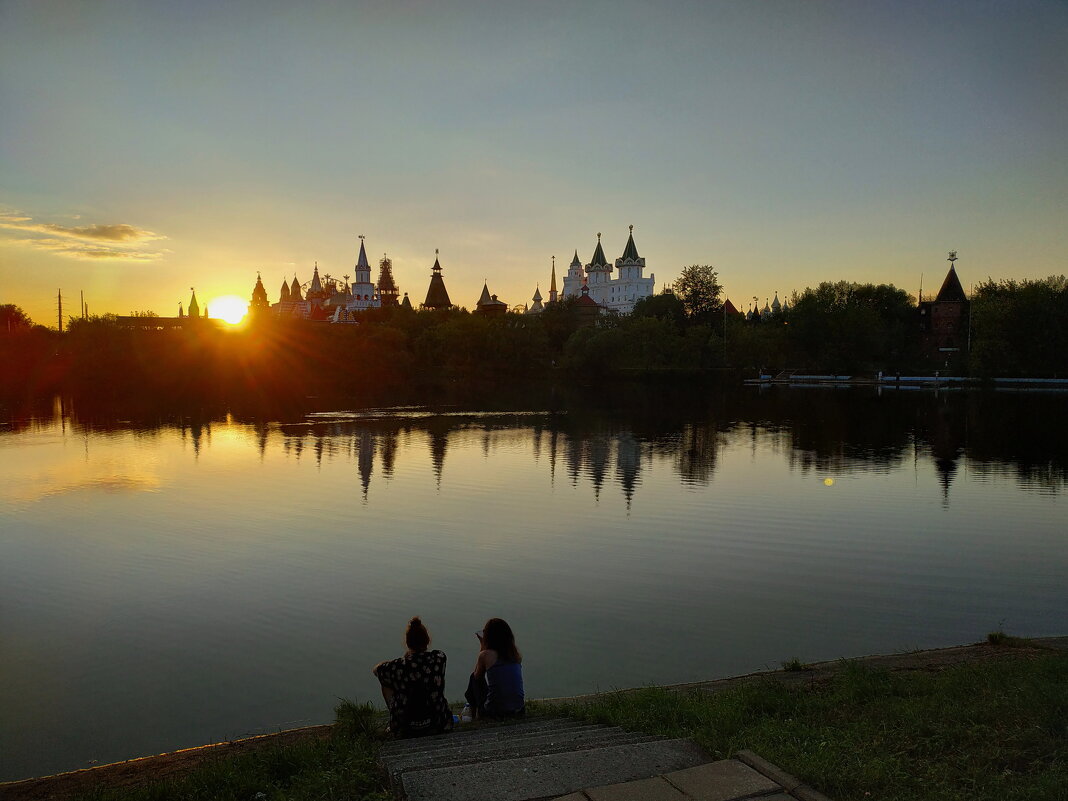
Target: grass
[
  {"x": 988, "y": 731},
  {"x": 794, "y": 665},
  {"x": 1003, "y": 640},
  {"x": 341, "y": 767}
]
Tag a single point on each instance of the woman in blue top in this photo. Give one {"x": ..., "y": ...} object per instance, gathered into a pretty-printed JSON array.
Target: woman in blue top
[{"x": 496, "y": 685}]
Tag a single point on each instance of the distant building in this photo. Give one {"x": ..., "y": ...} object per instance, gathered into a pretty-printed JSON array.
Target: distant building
[
  {"x": 488, "y": 305},
  {"x": 437, "y": 297},
  {"x": 387, "y": 287},
  {"x": 617, "y": 292},
  {"x": 944, "y": 321},
  {"x": 363, "y": 294},
  {"x": 259, "y": 304}
]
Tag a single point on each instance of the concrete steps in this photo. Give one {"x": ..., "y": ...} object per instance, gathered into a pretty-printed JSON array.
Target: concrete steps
[{"x": 534, "y": 759}]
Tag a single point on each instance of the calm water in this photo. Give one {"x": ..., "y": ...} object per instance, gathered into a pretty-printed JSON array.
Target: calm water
[{"x": 176, "y": 582}]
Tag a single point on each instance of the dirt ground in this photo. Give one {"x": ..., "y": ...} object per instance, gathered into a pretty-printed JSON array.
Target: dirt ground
[{"x": 176, "y": 763}]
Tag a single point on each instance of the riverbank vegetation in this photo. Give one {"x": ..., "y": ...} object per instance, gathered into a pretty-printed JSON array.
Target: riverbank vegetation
[
  {"x": 1018, "y": 328},
  {"x": 343, "y": 765},
  {"x": 993, "y": 730}
]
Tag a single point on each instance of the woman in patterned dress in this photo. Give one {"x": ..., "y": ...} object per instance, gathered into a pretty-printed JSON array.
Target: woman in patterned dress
[{"x": 413, "y": 686}]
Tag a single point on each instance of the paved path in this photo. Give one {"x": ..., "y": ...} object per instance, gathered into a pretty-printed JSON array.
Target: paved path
[{"x": 545, "y": 758}]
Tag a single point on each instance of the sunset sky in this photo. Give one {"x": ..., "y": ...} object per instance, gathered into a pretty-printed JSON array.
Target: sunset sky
[{"x": 147, "y": 147}]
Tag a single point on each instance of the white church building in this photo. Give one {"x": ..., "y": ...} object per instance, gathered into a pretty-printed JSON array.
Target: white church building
[{"x": 618, "y": 292}]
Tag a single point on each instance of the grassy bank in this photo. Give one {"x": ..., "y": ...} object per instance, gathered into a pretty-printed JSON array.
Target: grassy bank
[
  {"x": 994, "y": 730},
  {"x": 343, "y": 766},
  {"x": 978, "y": 723}
]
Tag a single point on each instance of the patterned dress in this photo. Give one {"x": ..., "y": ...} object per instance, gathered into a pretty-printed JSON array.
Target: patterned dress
[{"x": 418, "y": 684}]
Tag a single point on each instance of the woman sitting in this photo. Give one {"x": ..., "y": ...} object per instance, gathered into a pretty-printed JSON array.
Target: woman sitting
[
  {"x": 496, "y": 686},
  {"x": 413, "y": 686}
]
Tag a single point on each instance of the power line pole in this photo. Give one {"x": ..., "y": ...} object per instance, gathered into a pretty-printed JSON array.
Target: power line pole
[{"x": 59, "y": 298}]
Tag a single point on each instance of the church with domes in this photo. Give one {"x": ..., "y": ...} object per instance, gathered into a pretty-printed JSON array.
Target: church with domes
[{"x": 615, "y": 286}]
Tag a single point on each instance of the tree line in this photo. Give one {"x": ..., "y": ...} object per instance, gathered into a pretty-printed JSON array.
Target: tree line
[{"x": 1016, "y": 328}]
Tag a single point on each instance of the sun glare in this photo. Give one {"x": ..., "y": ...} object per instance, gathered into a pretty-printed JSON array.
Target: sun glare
[{"x": 230, "y": 308}]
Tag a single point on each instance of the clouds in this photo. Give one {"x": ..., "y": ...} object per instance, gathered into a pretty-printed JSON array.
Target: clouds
[{"x": 112, "y": 241}]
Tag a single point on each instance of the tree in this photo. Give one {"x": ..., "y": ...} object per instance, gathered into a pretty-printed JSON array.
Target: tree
[
  {"x": 665, "y": 306},
  {"x": 699, "y": 289},
  {"x": 13, "y": 318}
]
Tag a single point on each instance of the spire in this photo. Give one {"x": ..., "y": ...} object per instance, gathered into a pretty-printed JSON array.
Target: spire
[
  {"x": 537, "y": 294},
  {"x": 194, "y": 307},
  {"x": 484, "y": 298},
  {"x": 259, "y": 295},
  {"x": 552, "y": 283},
  {"x": 361, "y": 261},
  {"x": 951, "y": 291},
  {"x": 283, "y": 296},
  {"x": 575, "y": 261},
  {"x": 316, "y": 285},
  {"x": 630, "y": 252},
  {"x": 437, "y": 297},
  {"x": 294, "y": 289},
  {"x": 598, "y": 259}
]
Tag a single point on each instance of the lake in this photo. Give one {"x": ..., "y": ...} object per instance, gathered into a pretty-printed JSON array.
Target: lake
[{"x": 187, "y": 577}]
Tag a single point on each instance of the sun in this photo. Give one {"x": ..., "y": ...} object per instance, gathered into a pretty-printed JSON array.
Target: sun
[{"x": 230, "y": 308}]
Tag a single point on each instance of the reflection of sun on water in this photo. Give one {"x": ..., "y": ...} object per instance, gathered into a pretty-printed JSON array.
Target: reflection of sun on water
[{"x": 230, "y": 308}]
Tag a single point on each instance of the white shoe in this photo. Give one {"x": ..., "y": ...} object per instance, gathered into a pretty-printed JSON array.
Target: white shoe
[{"x": 465, "y": 715}]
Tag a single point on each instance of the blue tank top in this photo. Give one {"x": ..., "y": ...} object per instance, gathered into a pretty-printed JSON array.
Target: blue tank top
[{"x": 504, "y": 687}]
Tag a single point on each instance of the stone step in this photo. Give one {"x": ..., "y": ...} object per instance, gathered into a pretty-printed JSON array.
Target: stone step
[
  {"x": 476, "y": 745},
  {"x": 550, "y": 775},
  {"x": 511, "y": 750},
  {"x": 473, "y": 733}
]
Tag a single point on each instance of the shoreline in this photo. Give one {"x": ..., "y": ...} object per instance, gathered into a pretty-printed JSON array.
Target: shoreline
[{"x": 172, "y": 764}]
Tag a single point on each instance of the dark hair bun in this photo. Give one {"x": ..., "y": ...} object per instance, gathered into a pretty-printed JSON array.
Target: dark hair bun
[{"x": 416, "y": 636}]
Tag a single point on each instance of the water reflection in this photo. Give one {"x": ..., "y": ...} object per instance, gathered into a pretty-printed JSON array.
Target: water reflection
[
  {"x": 821, "y": 433},
  {"x": 258, "y": 560}
]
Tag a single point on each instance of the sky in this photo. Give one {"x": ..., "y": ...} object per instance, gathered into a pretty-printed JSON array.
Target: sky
[{"x": 149, "y": 147}]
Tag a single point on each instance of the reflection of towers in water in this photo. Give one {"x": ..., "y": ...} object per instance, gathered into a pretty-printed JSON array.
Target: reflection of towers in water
[
  {"x": 262, "y": 435},
  {"x": 438, "y": 433},
  {"x": 573, "y": 457},
  {"x": 387, "y": 443},
  {"x": 365, "y": 454},
  {"x": 554, "y": 437},
  {"x": 948, "y": 435},
  {"x": 598, "y": 451},
  {"x": 628, "y": 464},
  {"x": 199, "y": 433},
  {"x": 698, "y": 449}
]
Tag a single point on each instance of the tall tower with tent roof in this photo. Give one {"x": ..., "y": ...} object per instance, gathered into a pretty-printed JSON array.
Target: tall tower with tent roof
[{"x": 437, "y": 297}]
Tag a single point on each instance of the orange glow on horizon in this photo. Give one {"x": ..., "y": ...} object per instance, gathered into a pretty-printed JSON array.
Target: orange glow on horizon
[{"x": 230, "y": 308}]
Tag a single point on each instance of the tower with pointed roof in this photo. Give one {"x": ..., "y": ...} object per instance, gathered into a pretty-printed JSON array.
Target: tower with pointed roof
[
  {"x": 194, "y": 307},
  {"x": 537, "y": 307},
  {"x": 617, "y": 287},
  {"x": 259, "y": 303},
  {"x": 944, "y": 321},
  {"x": 437, "y": 297},
  {"x": 552, "y": 283},
  {"x": 598, "y": 271},
  {"x": 364, "y": 293},
  {"x": 488, "y": 304},
  {"x": 387, "y": 287},
  {"x": 575, "y": 278}
]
